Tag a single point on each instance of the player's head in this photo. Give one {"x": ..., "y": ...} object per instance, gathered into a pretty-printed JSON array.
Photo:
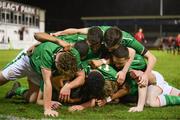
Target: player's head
[
  {"x": 95, "y": 38},
  {"x": 66, "y": 64},
  {"x": 94, "y": 85},
  {"x": 120, "y": 56},
  {"x": 140, "y": 30},
  {"x": 83, "y": 48},
  {"x": 112, "y": 37},
  {"x": 110, "y": 87}
]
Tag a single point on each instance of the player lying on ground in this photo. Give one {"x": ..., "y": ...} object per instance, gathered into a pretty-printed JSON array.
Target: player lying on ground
[{"x": 161, "y": 93}]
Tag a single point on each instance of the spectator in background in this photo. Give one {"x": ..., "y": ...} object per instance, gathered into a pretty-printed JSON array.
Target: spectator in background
[
  {"x": 178, "y": 43},
  {"x": 170, "y": 44},
  {"x": 140, "y": 36},
  {"x": 162, "y": 44}
]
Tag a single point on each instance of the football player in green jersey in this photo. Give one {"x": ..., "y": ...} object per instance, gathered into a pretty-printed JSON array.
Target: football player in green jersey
[
  {"x": 113, "y": 37},
  {"x": 46, "y": 58}
]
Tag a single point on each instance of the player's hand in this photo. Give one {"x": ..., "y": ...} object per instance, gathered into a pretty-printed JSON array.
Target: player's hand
[
  {"x": 50, "y": 113},
  {"x": 101, "y": 102},
  {"x": 65, "y": 93},
  {"x": 143, "y": 80},
  {"x": 55, "y": 105},
  {"x": 95, "y": 63},
  {"x": 135, "y": 109},
  {"x": 135, "y": 74},
  {"x": 30, "y": 50},
  {"x": 121, "y": 75},
  {"x": 140, "y": 77},
  {"x": 67, "y": 47},
  {"x": 75, "y": 108}
]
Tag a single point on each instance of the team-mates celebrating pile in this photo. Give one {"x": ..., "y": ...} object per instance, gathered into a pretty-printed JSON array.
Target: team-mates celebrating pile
[{"x": 88, "y": 67}]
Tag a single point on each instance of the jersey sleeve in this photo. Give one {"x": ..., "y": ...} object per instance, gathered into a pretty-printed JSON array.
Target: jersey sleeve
[
  {"x": 138, "y": 63},
  {"x": 129, "y": 41},
  {"x": 46, "y": 60},
  {"x": 138, "y": 47},
  {"x": 108, "y": 72},
  {"x": 76, "y": 54}
]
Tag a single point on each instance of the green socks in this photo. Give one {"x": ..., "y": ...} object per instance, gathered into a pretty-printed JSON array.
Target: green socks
[
  {"x": 172, "y": 100},
  {"x": 20, "y": 91}
]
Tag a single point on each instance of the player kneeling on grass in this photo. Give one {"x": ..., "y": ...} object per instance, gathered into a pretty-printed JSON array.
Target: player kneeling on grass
[
  {"x": 46, "y": 58},
  {"x": 57, "y": 84},
  {"x": 160, "y": 93}
]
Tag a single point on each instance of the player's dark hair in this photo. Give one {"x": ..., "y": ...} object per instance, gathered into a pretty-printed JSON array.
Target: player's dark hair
[
  {"x": 82, "y": 47},
  {"x": 112, "y": 36},
  {"x": 94, "y": 85},
  {"x": 95, "y": 35},
  {"x": 121, "y": 52},
  {"x": 67, "y": 65}
]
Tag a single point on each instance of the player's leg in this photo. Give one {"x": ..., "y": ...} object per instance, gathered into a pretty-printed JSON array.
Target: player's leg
[
  {"x": 14, "y": 90},
  {"x": 153, "y": 94},
  {"x": 3, "y": 80},
  {"x": 31, "y": 95},
  {"x": 175, "y": 92},
  {"x": 15, "y": 69},
  {"x": 168, "y": 96}
]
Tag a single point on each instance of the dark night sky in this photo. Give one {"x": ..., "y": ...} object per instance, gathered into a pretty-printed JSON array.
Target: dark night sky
[{"x": 62, "y": 14}]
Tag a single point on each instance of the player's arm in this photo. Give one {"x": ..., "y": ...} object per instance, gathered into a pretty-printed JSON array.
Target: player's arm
[
  {"x": 46, "y": 74},
  {"x": 74, "y": 100},
  {"x": 44, "y": 37},
  {"x": 88, "y": 104},
  {"x": 132, "y": 53},
  {"x": 98, "y": 62},
  {"x": 141, "y": 100},
  {"x": 151, "y": 59},
  {"x": 78, "y": 81},
  {"x": 122, "y": 74},
  {"x": 120, "y": 93},
  {"x": 71, "y": 31},
  {"x": 151, "y": 62}
]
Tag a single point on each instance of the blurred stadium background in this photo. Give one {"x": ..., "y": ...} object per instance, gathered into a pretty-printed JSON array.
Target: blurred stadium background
[{"x": 20, "y": 19}]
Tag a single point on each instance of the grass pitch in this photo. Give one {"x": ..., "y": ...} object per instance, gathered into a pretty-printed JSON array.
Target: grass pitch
[{"x": 167, "y": 64}]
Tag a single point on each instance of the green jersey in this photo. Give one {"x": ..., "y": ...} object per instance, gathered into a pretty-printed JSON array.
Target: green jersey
[
  {"x": 138, "y": 63},
  {"x": 131, "y": 83},
  {"x": 72, "y": 38},
  {"x": 44, "y": 56},
  {"x": 128, "y": 41},
  {"x": 107, "y": 71}
]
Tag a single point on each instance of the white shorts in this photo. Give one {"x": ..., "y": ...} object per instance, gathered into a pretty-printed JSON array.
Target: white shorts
[
  {"x": 166, "y": 88},
  {"x": 20, "y": 67}
]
